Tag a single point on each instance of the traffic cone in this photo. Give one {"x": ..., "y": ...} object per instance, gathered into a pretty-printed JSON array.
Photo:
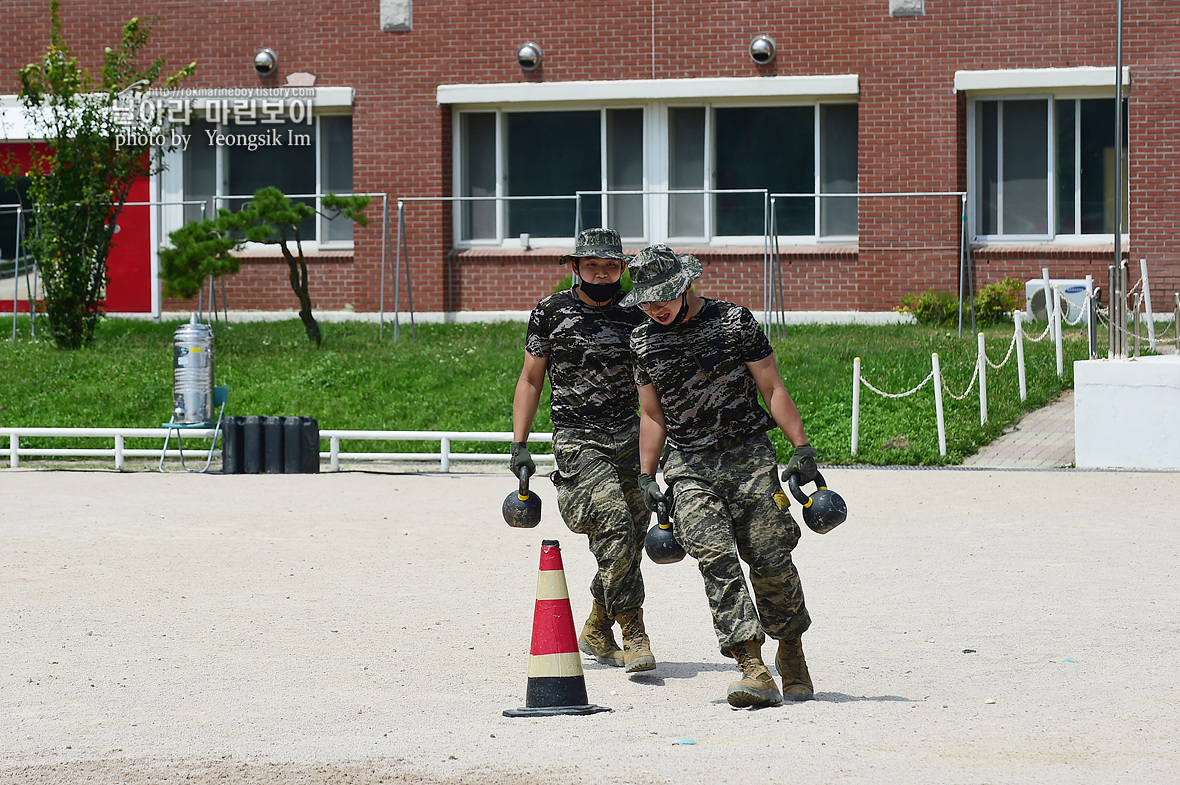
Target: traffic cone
[{"x": 556, "y": 684}]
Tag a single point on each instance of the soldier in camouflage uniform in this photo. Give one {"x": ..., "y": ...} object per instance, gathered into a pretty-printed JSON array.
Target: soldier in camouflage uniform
[
  {"x": 701, "y": 365},
  {"x": 581, "y": 337}
]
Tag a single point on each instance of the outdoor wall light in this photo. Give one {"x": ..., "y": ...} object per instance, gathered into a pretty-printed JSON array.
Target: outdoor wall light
[
  {"x": 266, "y": 61},
  {"x": 762, "y": 50},
  {"x": 528, "y": 56}
]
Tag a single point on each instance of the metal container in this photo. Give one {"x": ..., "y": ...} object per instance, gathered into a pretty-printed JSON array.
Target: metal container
[{"x": 192, "y": 372}]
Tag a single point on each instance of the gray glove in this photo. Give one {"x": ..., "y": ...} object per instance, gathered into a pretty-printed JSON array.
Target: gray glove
[
  {"x": 652, "y": 495},
  {"x": 521, "y": 457},
  {"x": 802, "y": 463}
]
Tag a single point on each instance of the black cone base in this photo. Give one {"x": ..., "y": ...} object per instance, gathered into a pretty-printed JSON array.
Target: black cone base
[{"x": 553, "y": 711}]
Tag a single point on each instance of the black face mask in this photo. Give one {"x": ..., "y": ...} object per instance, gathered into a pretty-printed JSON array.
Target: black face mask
[{"x": 600, "y": 292}]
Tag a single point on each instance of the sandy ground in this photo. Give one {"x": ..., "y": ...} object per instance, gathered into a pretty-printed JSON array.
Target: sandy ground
[{"x": 362, "y": 627}]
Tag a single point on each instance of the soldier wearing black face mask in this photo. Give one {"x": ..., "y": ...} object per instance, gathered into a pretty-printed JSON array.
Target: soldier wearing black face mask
[{"x": 581, "y": 338}]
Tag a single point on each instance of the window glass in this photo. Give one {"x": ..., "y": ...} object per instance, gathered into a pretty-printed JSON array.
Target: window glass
[
  {"x": 987, "y": 167},
  {"x": 1065, "y": 127},
  {"x": 837, "y": 168},
  {"x": 200, "y": 172},
  {"x": 477, "y": 133},
  {"x": 624, "y": 166},
  {"x": 552, "y": 153},
  {"x": 10, "y": 199},
  {"x": 290, "y": 167},
  {"x": 337, "y": 171},
  {"x": 764, "y": 147},
  {"x": 1098, "y": 166},
  {"x": 686, "y": 171},
  {"x": 1025, "y": 163}
]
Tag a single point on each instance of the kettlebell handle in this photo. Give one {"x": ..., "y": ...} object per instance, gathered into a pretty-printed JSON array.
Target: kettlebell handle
[
  {"x": 797, "y": 492},
  {"x": 662, "y": 516},
  {"x": 523, "y": 473}
]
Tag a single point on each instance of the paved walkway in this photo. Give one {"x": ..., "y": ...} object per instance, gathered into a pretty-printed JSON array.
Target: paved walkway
[{"x": 1042, "y": 439}]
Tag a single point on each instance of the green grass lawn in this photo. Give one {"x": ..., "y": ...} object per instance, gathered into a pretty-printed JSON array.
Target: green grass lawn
[{"x": 462, "y": 376}]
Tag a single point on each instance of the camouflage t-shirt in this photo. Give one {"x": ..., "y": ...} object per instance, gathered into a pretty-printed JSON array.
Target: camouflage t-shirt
[
  {"x": 589, "y": 360},
  {"x": 699, "y": 370}
]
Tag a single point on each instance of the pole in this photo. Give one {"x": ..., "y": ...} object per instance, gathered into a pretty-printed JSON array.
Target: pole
[
  {"x": 938, "y": 405},
  {"x": 1018, "y": 318},
  {"x": 1091, "y": 322},
  {"x": 1135, "y": 316},
  {"x": 855, "y": 404},
  {"x": 1057, "y": 330},
  {"x": 1118, "y": 150},
  {"x": 982, "y": 360},
  {"x": 1147, "y": 305}
]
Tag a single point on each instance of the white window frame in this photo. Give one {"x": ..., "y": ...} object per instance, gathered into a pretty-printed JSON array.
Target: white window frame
[
  {"x": 656, "y": 97},
  {"x": 1041, "y": 84}
]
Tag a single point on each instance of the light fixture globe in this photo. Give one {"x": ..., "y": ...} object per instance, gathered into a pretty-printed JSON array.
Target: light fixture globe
[
  {"x": 266, "y": 61},
  {"x": 528, "y": 56},
  {"x": 762, "y": 50}
]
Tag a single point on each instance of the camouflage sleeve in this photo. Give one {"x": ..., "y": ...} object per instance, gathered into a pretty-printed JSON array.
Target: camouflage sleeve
[
  {"x": 641, "y": 376},
  {"x": 536, "y": 341},
  {"x": 753, "y": 344}
]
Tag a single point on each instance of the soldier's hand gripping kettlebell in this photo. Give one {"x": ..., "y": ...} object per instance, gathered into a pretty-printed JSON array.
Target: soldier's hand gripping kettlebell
[{"x": 823, "y": 510}]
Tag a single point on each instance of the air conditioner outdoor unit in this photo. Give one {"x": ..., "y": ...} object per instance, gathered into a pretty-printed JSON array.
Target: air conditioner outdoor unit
[{"x": 1073, "y": 299}]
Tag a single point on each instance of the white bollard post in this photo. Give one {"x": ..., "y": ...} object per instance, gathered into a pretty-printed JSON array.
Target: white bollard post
[
  {"x": 938, "y": 405},
  {"x": 1018, "y": 318},
  {"x": 982, "y": 360},
  {"x": 1147, "y": 305},
  {"x": 334, "y": 456},
  {"x": 1048, "y": 299},
  {"x": 1057, "y": 330},
  {"x": 855, "y": 404},
  {"x": 13, "y": 452},
  {"x": 118, "y": 452},
  {"x": 445, "y": 456}
]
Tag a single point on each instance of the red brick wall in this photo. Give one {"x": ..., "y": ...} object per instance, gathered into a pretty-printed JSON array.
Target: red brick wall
[{"x": 912, "y": 134}]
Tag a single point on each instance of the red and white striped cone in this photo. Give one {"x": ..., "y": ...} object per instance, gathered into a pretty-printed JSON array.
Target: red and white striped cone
[{"x": 556, "y": 684}]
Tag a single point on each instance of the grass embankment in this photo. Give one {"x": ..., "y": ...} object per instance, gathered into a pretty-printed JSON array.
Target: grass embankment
[{"x": 462, "y": 376}]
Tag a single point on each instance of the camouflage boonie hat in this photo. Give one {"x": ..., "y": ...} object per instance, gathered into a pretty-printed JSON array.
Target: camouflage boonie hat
[
  {"x": 658, "y": 274},
  {"x": 597, "y": 244}
]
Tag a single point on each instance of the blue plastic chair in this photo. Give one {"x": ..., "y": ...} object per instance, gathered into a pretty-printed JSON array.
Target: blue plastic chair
[{"x": 220, "y": 396}]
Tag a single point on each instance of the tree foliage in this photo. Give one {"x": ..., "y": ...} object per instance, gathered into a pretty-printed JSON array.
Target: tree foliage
[
  {"x": 204, "y": 249},
  {"x": 79, "y": 183}
]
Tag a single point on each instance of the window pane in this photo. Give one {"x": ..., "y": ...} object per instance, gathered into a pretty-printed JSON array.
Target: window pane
[
  {"x": 200, "y": 172},
  {"x": 1098, "y": 165},
  {"x": 987, "y": 167},
  {"x": 552, "y": 153},
  {"x": 289, "y": 166},
  {"x": 837, "y": 170},
  {"x": 12, "y": 195},
  {"x": 686, "y": 171},
  {"x": 624, "y": 170},
  {"x": 1066, "y": 132},
  {"x": 336, "y": 175},
  {"x": 764, "y": 147},
  {"x": 1026, "y": 168},
  {"x": 477, "y": 132}
]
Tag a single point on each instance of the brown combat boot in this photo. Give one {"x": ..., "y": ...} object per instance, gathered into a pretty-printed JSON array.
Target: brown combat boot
[
  {"x": 637, "y": 654},
  {"x": 597, "y": 639},
  {"x": 756, "y": 687},
  {"x": 792, "y": 668}
]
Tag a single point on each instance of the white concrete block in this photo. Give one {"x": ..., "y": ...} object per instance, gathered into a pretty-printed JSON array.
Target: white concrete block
[
  {"x": 1127, "y": 413},
  {"x": 397, "y": 15}
]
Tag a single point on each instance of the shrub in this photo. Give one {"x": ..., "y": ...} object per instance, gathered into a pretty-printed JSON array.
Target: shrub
[
  {"x": 931, "y": 307},
  {"x": 996, "y": 301}
]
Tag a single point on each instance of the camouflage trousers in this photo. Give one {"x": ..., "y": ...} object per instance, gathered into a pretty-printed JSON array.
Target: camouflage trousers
[
  {"x": 728, "y": 504},
  {"x": 598, "y": 494}
]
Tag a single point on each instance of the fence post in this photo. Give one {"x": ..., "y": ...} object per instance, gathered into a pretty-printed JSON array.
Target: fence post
[
  {"x": 1048, "y": 298},
  {"x": 445, "y": 456},
  {"x": 855, "y": 404},
  {"x": 938, "y": 405},
  {"x": 1057, "y": 330},
  {"x": 13, "y": 451},
  {"x": 1091, "y": 318},
  {"x": 1176, "y": 319},
  {"x": 981, "y": 361},
  {"x": 118, "y": 452},
  {"x": 334, "y": 456},
  {"x": 1138, "y": 300},
  {"x": 1018, "y": 320},
  {"x": 1147, "y": 305}
]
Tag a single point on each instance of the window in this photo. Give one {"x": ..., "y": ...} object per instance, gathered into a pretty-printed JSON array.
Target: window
[
  {"x": 706, "y": 180},
  {"x": 1044, "y": 167},
  {"x": 302, "y": 159}
]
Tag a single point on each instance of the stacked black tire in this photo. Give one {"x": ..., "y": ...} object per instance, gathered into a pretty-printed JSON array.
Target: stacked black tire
[{"x": 271, "y": 445}]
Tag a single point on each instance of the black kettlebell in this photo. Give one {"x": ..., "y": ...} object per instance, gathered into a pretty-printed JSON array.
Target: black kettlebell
[
  {"x": 522, "y": 510},
  {"x": 824, "y": 510},
  {"x": 660, "y": 543}
]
